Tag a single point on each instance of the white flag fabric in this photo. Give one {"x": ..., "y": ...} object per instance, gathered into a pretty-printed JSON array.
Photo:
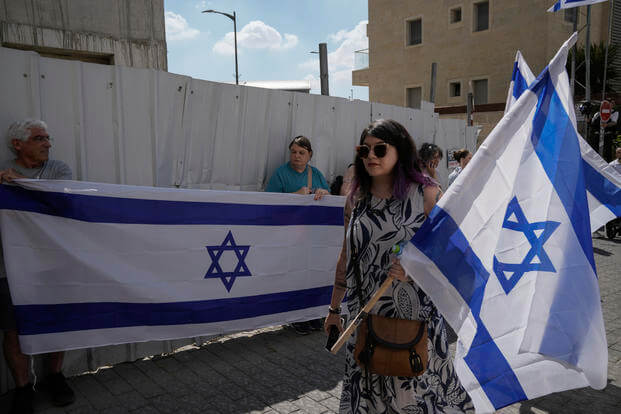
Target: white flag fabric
[
  {"x": 94, "y": 264},
  {"x": 568, "y": 4},
  {"x": 521, "y": 77},
  {"x": 506, "y": 255},
  {"x": 603, "y": 181}
]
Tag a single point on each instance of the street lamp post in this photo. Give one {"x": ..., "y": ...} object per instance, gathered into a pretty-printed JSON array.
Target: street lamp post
[{"x": 234, "y": 18}]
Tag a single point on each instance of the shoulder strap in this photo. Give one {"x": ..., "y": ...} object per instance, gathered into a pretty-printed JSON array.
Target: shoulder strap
[{"x": 309, "y": 182}]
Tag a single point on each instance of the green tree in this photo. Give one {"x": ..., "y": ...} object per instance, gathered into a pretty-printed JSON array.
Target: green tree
[{"x": 597, "y": 69}]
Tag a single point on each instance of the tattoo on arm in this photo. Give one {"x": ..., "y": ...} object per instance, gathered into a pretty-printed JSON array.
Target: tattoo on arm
[{"x": 438, "y": 195}]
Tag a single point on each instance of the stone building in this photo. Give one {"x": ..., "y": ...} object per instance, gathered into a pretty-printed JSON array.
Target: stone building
[
  {"x": 473, "y": 45},
  {"x": 115, "y": 32}
]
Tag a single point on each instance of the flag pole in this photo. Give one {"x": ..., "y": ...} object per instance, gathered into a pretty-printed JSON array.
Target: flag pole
[
  {"x": 573, "y": 55},
  {"x": 587, "y": 57}
]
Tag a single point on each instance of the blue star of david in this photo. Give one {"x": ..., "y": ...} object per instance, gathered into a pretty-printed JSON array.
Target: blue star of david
[
  {"x": 517, "y": 270},
  {"x": 215, "y": 270}
]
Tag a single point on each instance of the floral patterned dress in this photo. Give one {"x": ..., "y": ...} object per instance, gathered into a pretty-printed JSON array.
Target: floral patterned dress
[{"x": 376, "y": 226}]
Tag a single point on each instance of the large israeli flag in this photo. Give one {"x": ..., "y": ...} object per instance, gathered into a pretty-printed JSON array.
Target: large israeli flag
[
  {"x": 98, "y": 264},
  {"x": 506, "y": 255},
  {"x": 603, "y": 181},
  {"x": 568, "y": 4}
]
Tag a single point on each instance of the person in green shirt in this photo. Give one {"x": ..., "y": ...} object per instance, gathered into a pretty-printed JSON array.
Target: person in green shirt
[{"x": 293, "y": 177}]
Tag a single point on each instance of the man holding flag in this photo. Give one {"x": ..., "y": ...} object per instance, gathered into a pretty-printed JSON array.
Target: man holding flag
[{"x": 507, "y": 257}]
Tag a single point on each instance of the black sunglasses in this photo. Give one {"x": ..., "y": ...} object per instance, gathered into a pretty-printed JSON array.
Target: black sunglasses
[{"x": 378, "y": 149}]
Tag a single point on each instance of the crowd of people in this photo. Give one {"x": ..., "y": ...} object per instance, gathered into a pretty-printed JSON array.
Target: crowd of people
[{"x": 390, "y": 188}]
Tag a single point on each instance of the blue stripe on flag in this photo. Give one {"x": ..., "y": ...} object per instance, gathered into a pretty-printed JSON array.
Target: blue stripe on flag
[
  {"x": 556, "y": 144},
  {"x": 67, "y": 317},
  {"x": 519, "y": 83},
  {"x": 605, "y": 191},
  {"x": 99, "y": 209},
  {"x": 441, "y": 240}
]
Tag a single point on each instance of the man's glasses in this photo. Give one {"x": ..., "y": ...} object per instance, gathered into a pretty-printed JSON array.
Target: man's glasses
[
  {"x": 41, "y": 138},
  {"x": 378, "y": 149}
]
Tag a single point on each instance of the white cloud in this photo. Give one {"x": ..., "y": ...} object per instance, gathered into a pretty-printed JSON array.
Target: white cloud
[
  {"x": 341, "y": 60},
  {"x": 255, "y": 35},
  {"x": 355, "y": 39},
  {"x": 177, "y": 28}
]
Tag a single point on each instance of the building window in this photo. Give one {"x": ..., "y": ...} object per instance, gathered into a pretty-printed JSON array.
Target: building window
[
  {"x": 481, "y": 16},
  {"x": 454, "y": 89},
  {"x": 455, "y": 15},
  {"x": 415, "y": 32},
  {"x": 413, "y": 97},
  {"x": 480, "y": 91},
  {"x": 571, "y": 14}
]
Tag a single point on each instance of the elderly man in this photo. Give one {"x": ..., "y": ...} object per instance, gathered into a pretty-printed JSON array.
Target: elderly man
[{"x": 30, "y": 143}]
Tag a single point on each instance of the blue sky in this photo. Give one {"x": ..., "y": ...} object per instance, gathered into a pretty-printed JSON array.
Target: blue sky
[{"x": 274, "y": 39}]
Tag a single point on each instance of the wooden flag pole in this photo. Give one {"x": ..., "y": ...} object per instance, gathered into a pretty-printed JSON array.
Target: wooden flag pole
[{"x": 361, "y": 316}]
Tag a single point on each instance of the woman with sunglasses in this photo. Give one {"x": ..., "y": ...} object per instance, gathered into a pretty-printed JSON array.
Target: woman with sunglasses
[{"x": 388, "y": 202}]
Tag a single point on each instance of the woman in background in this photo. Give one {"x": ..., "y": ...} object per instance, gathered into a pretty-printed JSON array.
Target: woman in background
[
  {"x": 299, "y": 177},
  {"x": 430, "y": 156},
  {"x": 463, "y": 157}
]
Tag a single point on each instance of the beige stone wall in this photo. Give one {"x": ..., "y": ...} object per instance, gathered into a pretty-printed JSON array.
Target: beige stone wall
[
  {"x": 461, "y": 54},
  {"x": 132, "y": 31}
]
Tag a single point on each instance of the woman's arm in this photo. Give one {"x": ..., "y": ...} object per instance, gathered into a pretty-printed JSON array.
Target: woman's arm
[
  {"x": 431, "y": 196},
  {"x": 340, "y": 283}
]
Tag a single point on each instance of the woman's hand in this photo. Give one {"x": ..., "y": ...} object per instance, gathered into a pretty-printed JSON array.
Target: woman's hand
[
  {"x": 319, "y": 193},
  {"x": 332, "y": 319},
  {"x": 303, "y": 191},
  {"x": 397, "y": 271}
]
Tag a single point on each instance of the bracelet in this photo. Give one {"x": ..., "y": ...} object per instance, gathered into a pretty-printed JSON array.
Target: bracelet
[{"x": 334, "y": 311}]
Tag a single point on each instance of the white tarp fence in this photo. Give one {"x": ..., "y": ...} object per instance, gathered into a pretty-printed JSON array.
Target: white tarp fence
[{"x": 123, "y": 125}]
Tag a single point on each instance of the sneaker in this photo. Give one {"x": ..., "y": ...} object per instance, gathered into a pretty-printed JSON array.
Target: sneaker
[
  {"x": 22, "y": 400},
  {"x": 301, "y": 328},
  {"x": 61, "y": 393},
  {"x": 316, "y": 324}
]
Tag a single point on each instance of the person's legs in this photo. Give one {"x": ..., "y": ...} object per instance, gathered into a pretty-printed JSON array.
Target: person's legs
[
  {"x": 17, "y": 362},
  {"x": 62, "y": 394}
]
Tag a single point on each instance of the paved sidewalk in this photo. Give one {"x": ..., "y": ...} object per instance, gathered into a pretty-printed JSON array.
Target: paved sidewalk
[{"x": 277, "y": 371}]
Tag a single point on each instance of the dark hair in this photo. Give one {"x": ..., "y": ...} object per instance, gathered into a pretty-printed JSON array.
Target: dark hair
[
  {"x": 459, "y": 154},
  {"x": 428, "y": 151},
  {"x": 303, "y": 142},
  {"x": 405, "y": 172},
  {"x": 335, "y": 187}
]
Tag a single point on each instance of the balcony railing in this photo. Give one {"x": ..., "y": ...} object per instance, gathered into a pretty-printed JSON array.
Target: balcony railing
[{"x": 361, "y": 59}]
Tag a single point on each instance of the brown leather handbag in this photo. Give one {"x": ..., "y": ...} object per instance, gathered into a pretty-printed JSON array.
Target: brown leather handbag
[{"x": 392, "y": 347}]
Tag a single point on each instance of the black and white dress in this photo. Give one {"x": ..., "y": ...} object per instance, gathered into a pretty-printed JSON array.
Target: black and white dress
[{"x": 378, "y": 225}]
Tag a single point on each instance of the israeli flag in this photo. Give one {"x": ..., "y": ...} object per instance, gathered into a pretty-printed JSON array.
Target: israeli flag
[
  {"x": 603, "y": 181},
  {"x": 94, "y": 264},
  {"x": 568, "y": 4},
  {"x": 506, "y": 255}
]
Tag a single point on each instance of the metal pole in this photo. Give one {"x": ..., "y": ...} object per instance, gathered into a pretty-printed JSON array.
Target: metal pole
[
  {"x": 573, "y": 55},
  {"x": 469, "y": 105},
  {"x": 587, "y": 57},
  {"x": 235, "y": 32},
  {"x": 610, "y": 11},
  {"x": 323, "y": 68},
  {"x": 432, "y": 90}
]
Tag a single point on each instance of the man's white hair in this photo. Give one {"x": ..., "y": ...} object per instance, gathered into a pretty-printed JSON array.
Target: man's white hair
[{"x": 21, "y": 130}]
